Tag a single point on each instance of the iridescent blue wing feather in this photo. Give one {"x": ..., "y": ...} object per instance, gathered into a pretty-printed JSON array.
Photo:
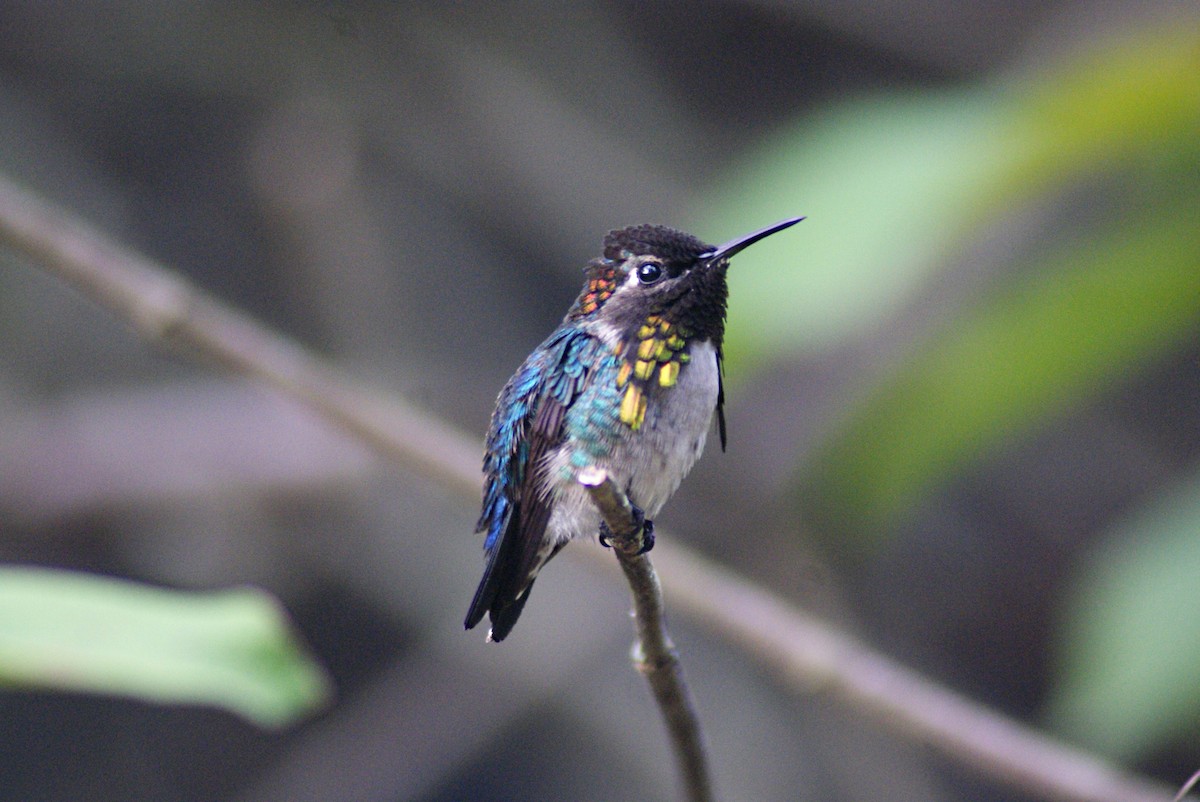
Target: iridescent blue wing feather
[{"x": 528, "y": 424}]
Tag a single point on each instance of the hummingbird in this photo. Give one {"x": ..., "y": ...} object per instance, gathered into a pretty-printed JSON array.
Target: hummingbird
[{"x": 629, "y": 382}]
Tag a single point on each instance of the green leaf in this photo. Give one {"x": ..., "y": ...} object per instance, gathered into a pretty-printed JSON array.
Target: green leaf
[
  {"x": 1128, "y": 678},
  {"x": 895, "y": 185},
  {"x": 888, "y": 184},
  {"x": 1029, "y": 352},
  {"x": 895, "y": 189},
  {"x": 232, "y": 649},
  {"x": 1121, "y": 105}
]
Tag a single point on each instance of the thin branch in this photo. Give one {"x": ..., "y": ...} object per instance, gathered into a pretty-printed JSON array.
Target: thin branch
[
  {"x": 654, "y": 654},
  {"x": 806, "y": 653}
]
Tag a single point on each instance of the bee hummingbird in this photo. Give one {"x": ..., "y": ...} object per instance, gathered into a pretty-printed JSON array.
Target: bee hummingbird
[{"x": 628, "y": 382}]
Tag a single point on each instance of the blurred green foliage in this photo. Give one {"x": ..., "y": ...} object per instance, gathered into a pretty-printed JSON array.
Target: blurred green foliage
[
  {"x": 897, "y": 190},
  {"x": 886, "y": 185},
  {"x": 1131, "y": 639},
  {"x": 231, "y": 649},
  {"x": 1089, "y": 312}
]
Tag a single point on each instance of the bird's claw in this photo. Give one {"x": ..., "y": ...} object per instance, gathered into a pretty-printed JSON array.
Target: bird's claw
[
  {"x": 647, "y": 536},
  {"x": 643, "y": 524}
]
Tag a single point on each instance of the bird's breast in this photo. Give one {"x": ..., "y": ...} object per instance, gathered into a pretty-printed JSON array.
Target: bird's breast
[
  {"x": 649, "y": 462},
  {"x": 672, "y": 434}
]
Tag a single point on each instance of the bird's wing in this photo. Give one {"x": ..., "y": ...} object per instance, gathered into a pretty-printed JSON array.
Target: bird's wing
[{"x": 528, "y": 424}]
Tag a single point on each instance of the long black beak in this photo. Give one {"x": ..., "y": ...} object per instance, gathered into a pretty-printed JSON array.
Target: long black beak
[{"x": 728, "y": 249}]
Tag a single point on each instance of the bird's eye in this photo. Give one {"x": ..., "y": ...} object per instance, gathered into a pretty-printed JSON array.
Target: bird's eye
[{"x": 649, "y": 272}]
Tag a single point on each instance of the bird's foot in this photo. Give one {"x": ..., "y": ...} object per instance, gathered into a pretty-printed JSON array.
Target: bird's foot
[
  {"x": 647, "y": 535},
  {"x": 642, "y": 524}
]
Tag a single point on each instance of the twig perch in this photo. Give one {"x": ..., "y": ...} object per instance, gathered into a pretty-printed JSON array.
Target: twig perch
[
  {"x": 806, "y": 653},
  {"x": 654, "y": 654}
]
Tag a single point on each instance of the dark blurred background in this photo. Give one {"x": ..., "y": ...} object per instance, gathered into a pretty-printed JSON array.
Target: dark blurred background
[{"x": 412, "y": 189}]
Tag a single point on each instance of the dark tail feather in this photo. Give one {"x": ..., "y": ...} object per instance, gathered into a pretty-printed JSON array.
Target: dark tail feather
[
  {"x": 504, "y": 608},
  {"x": 504, "y": 614},
  {"x": 510, "y": 601},
  {"x": 499, "y": 565},
  {"x": 503, "y": 591}
]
